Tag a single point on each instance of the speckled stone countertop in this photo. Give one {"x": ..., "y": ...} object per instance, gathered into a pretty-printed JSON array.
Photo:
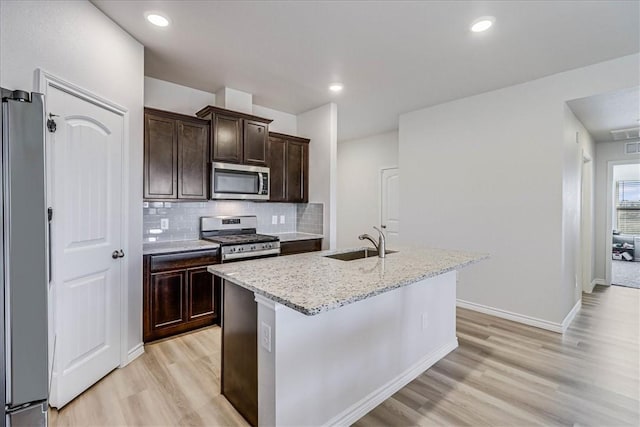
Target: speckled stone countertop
[
  {"x": 294, "y": 236},
  {"x": 311, "y": 283},
  {"x": 155, "y": 248}
]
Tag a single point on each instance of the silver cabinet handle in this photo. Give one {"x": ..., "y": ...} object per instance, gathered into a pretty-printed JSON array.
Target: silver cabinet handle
[{"x": 117, "y": 254}]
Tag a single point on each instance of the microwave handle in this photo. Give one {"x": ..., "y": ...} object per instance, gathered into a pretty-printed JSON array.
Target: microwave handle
[{"x": 261, "y": 182}]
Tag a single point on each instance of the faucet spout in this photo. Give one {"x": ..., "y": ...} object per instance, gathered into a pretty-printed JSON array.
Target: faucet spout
[
  {"x": 380, "y": 245},
  {"x": 369, "y": 238}
]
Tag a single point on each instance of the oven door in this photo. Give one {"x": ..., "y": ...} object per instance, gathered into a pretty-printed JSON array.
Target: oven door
[{"x": 239, "y": 182}]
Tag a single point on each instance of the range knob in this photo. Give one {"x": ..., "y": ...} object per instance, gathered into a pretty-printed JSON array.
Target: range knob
[
  {"x": 232, "y": 249},
  {"x": 240, "y": 249},
  {"x": 253, "y": 248}
]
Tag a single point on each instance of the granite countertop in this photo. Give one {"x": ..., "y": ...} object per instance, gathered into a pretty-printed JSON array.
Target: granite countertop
[
  {"x": 295, "y": 236},
  {"x": 154, "y": 248},
  {"x": 311, "y": 283}
]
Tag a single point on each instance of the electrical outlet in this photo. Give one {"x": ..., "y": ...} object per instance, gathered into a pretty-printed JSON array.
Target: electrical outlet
[
  {"x": 274, "y": 219},
  {"x": 164, "y": 223},
  {"x": 145, "y": 204},
  {"x": 281, "y": 219},
  {"x": 425, "y": 321},
  {"x": 265, "y": 336}
]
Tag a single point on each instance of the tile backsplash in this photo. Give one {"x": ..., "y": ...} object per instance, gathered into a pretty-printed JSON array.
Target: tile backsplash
[
  {"x": 184, "y": 217},
  {"x": 309, "y": 217}
]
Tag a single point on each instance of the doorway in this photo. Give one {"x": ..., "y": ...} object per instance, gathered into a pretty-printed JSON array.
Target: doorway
[{"x": 624, "y": 213}]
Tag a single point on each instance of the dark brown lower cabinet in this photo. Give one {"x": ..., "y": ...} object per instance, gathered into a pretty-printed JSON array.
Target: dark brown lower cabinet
[
  {"x": 300, "y": 246},
  {"x": 239, "y": 380},
  {"x": 167, "y": 293},
  {"x": 179, "y": 294},
  {"x": 201, "y": 293}
]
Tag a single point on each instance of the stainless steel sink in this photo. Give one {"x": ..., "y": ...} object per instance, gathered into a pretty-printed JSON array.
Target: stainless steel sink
[{"x": 359, "y": 254}]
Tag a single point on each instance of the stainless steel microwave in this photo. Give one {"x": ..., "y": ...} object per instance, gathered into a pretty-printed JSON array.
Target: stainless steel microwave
[{"x": 239, "y": 182}]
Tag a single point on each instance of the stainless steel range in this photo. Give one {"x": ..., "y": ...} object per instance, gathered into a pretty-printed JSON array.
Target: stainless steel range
[{"x": 237, "y": 237}]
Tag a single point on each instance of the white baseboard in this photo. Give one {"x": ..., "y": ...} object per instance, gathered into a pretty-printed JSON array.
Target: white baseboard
[
  {"x": 600, "y": 282},
  {"x": 504, "y": 314},
  {"x": 373, "y": 399},
  {"x": 571, "y": 315},
  {"x": 133, "y": 354}
]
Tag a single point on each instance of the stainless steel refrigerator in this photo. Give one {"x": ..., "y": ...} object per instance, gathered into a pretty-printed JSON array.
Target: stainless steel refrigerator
[{"x": 24, "y": 252}]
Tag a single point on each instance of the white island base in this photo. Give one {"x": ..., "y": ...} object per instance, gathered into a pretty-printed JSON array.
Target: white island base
[{"x": 334, "y": 367}]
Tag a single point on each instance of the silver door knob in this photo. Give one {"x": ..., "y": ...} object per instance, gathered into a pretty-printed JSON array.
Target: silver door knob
[{"x": 117, "y": 254}]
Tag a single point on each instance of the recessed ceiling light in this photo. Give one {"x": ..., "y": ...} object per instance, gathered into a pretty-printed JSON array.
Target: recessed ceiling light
[
  {"x": 482, "y": 24},
  {"x": 336, "y": 87},
  {"x": 157, "y": 19}
]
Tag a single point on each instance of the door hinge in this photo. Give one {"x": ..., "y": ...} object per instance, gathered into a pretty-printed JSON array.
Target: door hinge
[
  {"x": 50, "y": 214},
  {"x": 51, "y": 124}
]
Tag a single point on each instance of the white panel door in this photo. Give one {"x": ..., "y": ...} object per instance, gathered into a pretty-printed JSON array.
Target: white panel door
[
  {"x": 86, "y": 188},
  {"x": 390, "y": 206}
]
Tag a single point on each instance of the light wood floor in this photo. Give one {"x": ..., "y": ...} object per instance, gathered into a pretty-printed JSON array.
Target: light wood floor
[{"x": 503, "y": 374}]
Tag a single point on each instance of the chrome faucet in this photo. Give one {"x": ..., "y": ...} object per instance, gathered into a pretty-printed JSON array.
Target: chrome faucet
[{"x": 380, "y": 246}]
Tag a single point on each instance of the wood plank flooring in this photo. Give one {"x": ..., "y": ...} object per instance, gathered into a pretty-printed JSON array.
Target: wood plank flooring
[
  {"x": 503, "y": 374},
  {"x": 175, "y": 382}
]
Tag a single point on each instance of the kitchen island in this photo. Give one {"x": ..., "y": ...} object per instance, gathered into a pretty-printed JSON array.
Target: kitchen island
[{"x": 333, "y": 338}]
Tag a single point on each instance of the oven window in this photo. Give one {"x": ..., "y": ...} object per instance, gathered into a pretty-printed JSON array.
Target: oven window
[{"x": 236, "y": 182}]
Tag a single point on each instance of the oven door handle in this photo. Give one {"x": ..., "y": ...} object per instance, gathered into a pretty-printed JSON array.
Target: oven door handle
[{"x": 249, "y": 255}]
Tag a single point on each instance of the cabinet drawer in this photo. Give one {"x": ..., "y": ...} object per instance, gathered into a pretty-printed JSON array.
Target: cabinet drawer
[
  {"x": 300, "y": 246},
  {"x": 183, "y": 260}
]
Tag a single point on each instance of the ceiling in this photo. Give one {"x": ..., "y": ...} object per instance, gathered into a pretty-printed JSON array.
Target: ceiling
[
  {"x": 393, "y": 57},
  {"x": 601, "y": 114}
]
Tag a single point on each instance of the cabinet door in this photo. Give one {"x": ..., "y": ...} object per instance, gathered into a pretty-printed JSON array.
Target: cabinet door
[
  {"x": 160, "y": 154},
  {"x": 256, "y": 135},
  {"x": 297, "y": 172},
  {"x": 227, "y": 139},
  {"x": 201, "y": 293},
  {"x": 168, "y": 292},
  {"x": 277, "y": 166},
  {"x": 193, "y": 141}
]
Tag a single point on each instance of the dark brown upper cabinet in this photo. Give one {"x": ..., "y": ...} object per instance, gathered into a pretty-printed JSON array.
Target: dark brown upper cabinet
[
  {"x": 289, "y": 168},
  {"x": 227, "y": 139},
  {"x": 176, "y": 154},
  {"x": 237, "y": 137},
  {"x": 277, "y": 150}
]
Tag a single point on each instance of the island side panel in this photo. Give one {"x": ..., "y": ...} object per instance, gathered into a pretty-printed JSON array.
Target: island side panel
[
  {"x": 334, "y": 367},
  {"x": 239, "y": 376}
]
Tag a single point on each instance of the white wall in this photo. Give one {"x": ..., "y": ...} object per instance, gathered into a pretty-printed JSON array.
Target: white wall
[
  {"x": 321, "y": 126},
  {"x": 359, "y": 173},
  {"x": 487, "y": 173},
  {"x": 169, "y": 96},
  {"x": 282, "y": 122},
  {"x": 605, "y": 152},
  {"x": 76, "y": 42}
]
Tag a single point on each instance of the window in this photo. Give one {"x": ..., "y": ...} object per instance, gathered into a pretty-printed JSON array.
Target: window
[{"x": 628, "y": 207}]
